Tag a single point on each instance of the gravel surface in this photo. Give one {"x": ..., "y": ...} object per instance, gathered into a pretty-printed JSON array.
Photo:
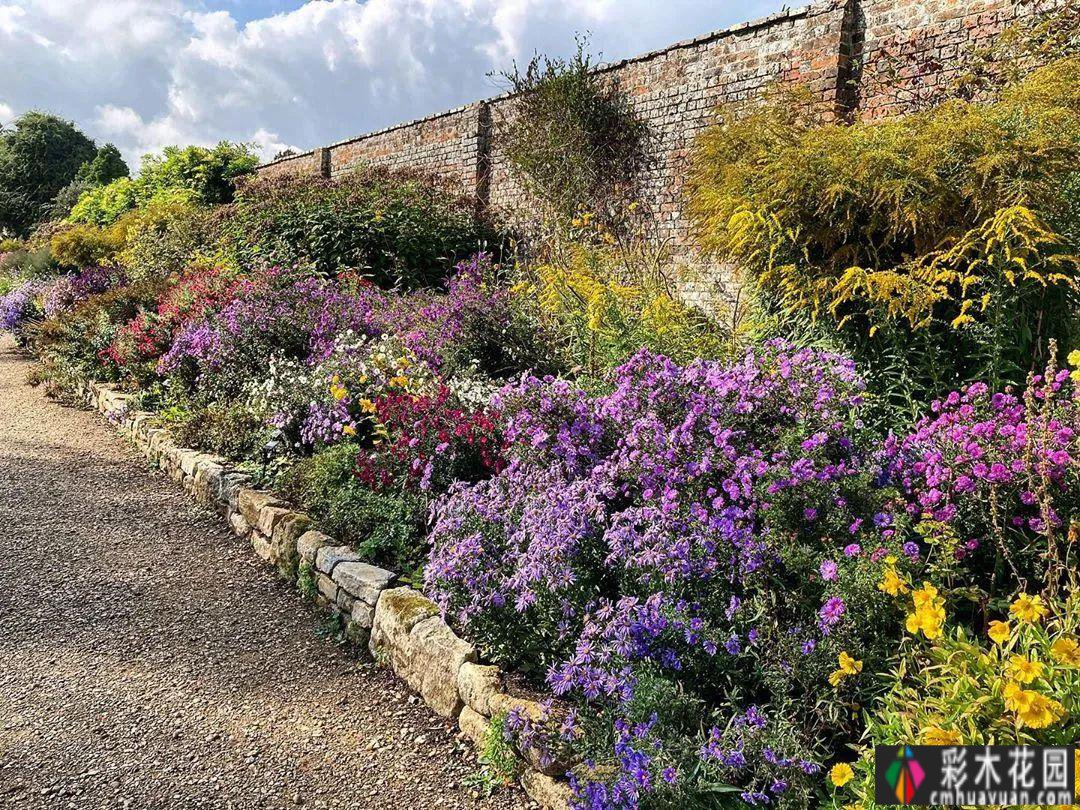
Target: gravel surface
[{"x": 148, "y": 660}]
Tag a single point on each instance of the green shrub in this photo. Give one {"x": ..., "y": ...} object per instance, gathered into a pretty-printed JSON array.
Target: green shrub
[
  {"x": 228, "y": 428},
  {"x": 84, "y": 245},
  {"x": 177, "y": 175},
  {"x": 103, "y": 205},
  {"x": 163, "y": 237},
  {"x": 572, "y": 137},
  {"x": 387, "y": 528},
  {"x": 28, "y": 263},
  {"x": 396, "y": 228},
  {"x": 947, "y": 229}
]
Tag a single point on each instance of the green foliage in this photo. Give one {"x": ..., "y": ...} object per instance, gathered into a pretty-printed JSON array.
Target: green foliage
[
  {"x": 387, "y": 528},
  {"x": 603, "y": 304},
  {"x": 28, "y": 262},
  {"x": 499, "y": 765},
  {"x": 210, "y": 174},
  {"x": 305, "y": 580},
  {"x": 572, "y": 137},
  {"x": 398, "y": 229},
  {"x": 228, "y": 428},
  {"x": 84, "y": 245},
  {"x": 188, "y": 174},
  {"x": 950, "y": 228},
  {"x": 106, "y": 204},
  {"x": 107, "y": 165},
  {"x": 67, "y": 197},
  {"x": 163, "y": 237},
  {"x": 39, "y": 155}
]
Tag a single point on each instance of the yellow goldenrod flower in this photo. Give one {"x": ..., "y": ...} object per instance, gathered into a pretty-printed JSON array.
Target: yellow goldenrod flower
[
  {"x": 1066, "y": 651},
  {"x": 841, "y": 774},
  {"x": 367, "y": 406},
  {"x": 935, "y": 735},
  {"x": 1028, "y": 608},
  {"x": 1023, "y": 670},
  {"x": 892, "y": 583},
  {"x": 349, "y": 430},
  {"x": 999, "y": 632}
]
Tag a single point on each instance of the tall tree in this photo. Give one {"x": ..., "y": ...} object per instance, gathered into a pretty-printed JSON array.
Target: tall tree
[
  {"x": 39, "y": 155},
  {"x": 107, "y": 165}
]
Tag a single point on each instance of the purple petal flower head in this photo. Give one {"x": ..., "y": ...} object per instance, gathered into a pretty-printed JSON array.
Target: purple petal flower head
[{"x": 831, "y": 613}]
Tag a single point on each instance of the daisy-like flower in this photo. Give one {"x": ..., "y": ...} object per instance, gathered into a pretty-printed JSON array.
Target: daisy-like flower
[
  {"x": 841, "y": 774},
  {"x": 1028, "y": 609},
  {"x": 1024, "y": 670},
  {"x": 1066, "y": 651},
  {"x": 999, "y": 632}
]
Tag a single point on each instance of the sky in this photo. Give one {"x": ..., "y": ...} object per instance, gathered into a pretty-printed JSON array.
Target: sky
[{"x": 144, "y": 74}]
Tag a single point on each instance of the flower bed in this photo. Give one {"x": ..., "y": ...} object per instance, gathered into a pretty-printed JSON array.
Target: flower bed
[{"x": 724, "y": 577}]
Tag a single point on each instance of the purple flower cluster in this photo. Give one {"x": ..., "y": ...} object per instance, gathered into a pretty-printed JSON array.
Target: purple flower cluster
[
  {"x": 440, "y": 328},
  {"x": 979, "y": 447},
  {"x": 67, "y": 291},
  {"x": 18, "y": 305},
  {"x": 272, "y": 313},
  {"x": 640, "y": 527}
]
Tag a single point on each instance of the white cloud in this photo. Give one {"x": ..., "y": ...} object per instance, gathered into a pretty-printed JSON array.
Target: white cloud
[
  {"x": 147, "y": 74},
  {"x": 6, "y": 113}
]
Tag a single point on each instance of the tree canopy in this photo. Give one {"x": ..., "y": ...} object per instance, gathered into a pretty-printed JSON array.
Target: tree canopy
[{"x": 39, "y": 155}]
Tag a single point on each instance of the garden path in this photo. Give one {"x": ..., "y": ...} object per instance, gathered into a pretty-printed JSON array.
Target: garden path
[{"x": 148, "y": 660}]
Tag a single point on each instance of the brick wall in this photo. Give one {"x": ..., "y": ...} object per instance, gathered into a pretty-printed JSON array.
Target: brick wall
[
  {"x": 868, "y": 58},
  {"x": 908, "y": 53}
]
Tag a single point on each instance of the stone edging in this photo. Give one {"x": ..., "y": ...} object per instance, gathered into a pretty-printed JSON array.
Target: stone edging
[{"x": 400, "y": 626}]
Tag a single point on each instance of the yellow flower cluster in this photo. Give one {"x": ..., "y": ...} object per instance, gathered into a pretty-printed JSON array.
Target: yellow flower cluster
[
  {"x": 1066, "y": 651},
  {"x": 936, "y": 735},
  {"x": 1032, "y": 709},
  {"x": 1074, "y": 362},
  {"x": 891, "y": 581},
  {"x": 337, "y": 390},
  {"x": 1024, "y": 670},
  {"x": 929, "y": 614},
  {"x": 847, "y": 666}
]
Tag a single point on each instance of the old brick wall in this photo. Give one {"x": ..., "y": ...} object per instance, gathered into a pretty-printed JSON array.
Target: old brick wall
[
  {"x": 676, "y": 91},
  {"x": 909, "y": 54},
  {"x": 868, "y": 58}
]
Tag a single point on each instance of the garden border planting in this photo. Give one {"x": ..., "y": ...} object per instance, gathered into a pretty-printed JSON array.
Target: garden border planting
[{"x": 400, "y": 627}]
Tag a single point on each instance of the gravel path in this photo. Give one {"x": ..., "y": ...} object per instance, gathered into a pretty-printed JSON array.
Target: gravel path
[{"x": 147, "y": 660}]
